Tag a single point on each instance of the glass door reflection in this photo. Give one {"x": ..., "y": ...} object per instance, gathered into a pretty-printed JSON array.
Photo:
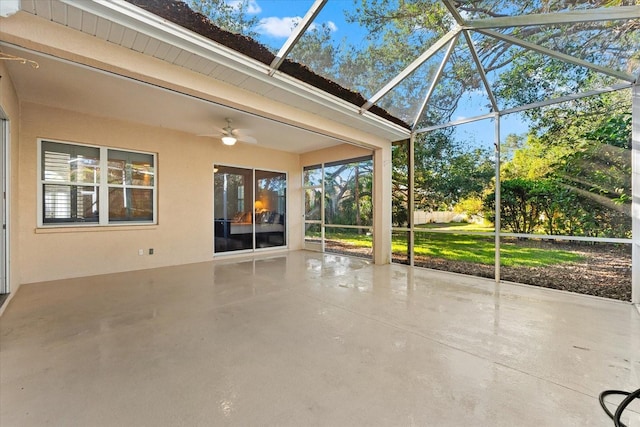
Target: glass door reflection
[
  {"x": 270, "y": 209},
  {"x": 232, "y": 208},
  {"x": 250, "y": 209}
]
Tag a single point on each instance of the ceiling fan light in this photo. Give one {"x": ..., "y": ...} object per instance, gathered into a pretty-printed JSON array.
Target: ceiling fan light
[{"x": 228, "y": 140}]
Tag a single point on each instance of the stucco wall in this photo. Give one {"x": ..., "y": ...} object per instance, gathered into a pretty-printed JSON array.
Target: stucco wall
[
  {"x": 184, "y": 233},
  {"x": 10, "y": 105}
]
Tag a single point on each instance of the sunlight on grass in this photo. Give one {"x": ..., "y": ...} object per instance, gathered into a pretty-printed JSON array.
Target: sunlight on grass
[
  {"x": 465, "y": 247},
  {"x": 351, "y": 241},
  {"x": 480, "y": 249},
  {"x": 349, "y": 238},
  {"x": 513, "y": 255}
]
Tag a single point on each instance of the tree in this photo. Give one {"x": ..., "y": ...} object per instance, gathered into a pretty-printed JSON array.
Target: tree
[
  {"x": 405, "y": 28},
  {"x": 315, "y": 50},
  {"x": 519, "y": 207},
  {"x": 347, "y": 191},
  {"x": 400, "y": 184},
  {"x": 535, "y": 158},
  {"x": 446, "y": 171},
  {"x": 472, "y": 205},
  {"x": 582, "y": 151},
  {"x": 231, "y": 16}
]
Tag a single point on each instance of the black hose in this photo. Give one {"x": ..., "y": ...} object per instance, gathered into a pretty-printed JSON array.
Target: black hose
[{"x": 621, "y": 407}]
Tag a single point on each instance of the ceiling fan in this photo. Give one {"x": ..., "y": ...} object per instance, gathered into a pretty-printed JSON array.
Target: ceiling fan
[{"x": 229, "y": 135}]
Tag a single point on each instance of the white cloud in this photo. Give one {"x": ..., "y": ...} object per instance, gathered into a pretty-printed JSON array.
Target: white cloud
[
  {"x": 282, "y": 27},
  {"x": 332, "y": 26},
  {"x": 278, "y": 27},
  {"x": 253, "y": 8}
]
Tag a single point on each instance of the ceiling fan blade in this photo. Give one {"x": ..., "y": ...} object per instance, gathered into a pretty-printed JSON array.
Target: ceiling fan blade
[
  {"x": 248, "y": 139},
  {"x": 217, "y": 132},
  {"x": 242, "y": 135},
  {"x": 241, "y": 131}
]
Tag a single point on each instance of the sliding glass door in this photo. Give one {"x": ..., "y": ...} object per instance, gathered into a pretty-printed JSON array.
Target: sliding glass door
[
  {"x": 249, "y": 209},
  {"x": 313, "y": 212},
  {"x": 270, "y": 208},
  {"x": 338, "y": 207}
]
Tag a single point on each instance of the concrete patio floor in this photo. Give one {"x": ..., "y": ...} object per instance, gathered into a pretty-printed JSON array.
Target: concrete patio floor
[{"x": 304, "y": 339}]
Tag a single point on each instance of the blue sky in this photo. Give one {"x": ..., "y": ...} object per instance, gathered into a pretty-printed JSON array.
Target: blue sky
[{"x": 278, "y": 17}]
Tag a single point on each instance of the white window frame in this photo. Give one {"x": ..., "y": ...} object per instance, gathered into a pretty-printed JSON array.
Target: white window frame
[{"x": 103, "y": 189}]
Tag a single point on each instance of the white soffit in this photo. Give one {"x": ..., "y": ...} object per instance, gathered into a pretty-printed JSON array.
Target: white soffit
[{"x": 128, "y": 26}]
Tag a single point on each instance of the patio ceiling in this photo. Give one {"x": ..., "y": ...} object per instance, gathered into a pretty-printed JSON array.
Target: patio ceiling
[{"x": 64, "y": 84}]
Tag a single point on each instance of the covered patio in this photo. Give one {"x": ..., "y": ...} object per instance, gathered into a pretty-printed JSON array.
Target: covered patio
[
  {"x": 304, "y": 338},
  {"x": 176, "y": 240}
]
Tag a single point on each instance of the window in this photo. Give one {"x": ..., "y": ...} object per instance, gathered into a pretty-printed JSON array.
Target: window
[
  {"x": 130, "y": 179},
  {"x": 70, "y": 183},
  {"x": 81, "y": 184}
]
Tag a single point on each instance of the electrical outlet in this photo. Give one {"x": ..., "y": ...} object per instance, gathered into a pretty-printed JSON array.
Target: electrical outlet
[
  {"x": 150, "y": 251},
  {"x": 140, "y": 251}
]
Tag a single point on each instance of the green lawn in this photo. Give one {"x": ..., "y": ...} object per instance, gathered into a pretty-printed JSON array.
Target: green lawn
[
  {"x": 465, "y": 247},
  {"x": 480, "y": 249}
]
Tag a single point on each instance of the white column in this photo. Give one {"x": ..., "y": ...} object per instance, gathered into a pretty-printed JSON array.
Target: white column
[
  {"x": 411, "y": 205},
  {"x": 635, "y": 190},
  {"x": 382, "y": 205},
  {"x": 498, "y": 200}
]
